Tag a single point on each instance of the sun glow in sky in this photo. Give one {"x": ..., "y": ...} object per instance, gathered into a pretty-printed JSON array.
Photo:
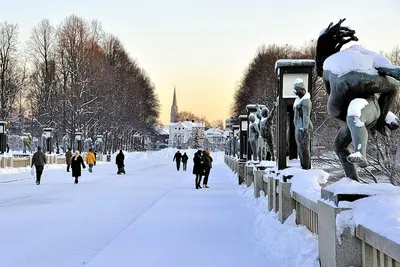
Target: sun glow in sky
[{"x": 203, "y": 47}]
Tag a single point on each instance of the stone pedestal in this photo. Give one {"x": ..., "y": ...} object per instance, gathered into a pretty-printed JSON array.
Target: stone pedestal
[
  {"x": 286, "y": 202},
  {"x": 241, "y": 172},
  {"x": 258, "y": 183},
  {"x": 336, "y": 197},
  {"x": 331, "y": 253},
  {"x": 249, "y": 174}
]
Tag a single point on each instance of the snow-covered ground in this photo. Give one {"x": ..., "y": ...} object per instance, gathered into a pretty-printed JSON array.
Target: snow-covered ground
[{"x": 152, "y": 216}]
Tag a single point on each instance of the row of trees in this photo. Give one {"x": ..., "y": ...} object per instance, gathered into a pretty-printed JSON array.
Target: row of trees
[
  {"x": 259, "y": 85},
  {"x": 75, "y": 77}
]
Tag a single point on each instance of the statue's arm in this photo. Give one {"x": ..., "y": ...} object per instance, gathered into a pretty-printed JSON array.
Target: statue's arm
[
  {"x": 306, "y": 110},
  {"x": 272, "y": 114}
]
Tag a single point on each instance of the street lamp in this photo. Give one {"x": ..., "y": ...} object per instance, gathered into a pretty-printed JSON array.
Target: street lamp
[
  {"x": 78, "y": 138},
  {"x": 49, "y": 141},
  {"x": 243, "y": 124},
  {"x": 3, "y": 137},
  {"x": 287, "y": 71}
]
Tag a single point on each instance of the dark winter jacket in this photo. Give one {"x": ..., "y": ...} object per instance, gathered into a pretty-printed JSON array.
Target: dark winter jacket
[
  {"x": 119, "y": 160},
  {"x": 185, "y": 158},
  {"x": 177, "y": 157},
  {"x": 207, "y": 160},
  {"x": 38, "y": 159},
  {"x": 76, "y": 164},
  {"x": 68, "y": 157},
  {"x": 198, "y": 167}
]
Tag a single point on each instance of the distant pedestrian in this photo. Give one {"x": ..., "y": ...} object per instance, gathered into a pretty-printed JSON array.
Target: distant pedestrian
[
  {"x": 39, "y": 160},
  {"x": 76, "y": 163},
  {"x": 119, "y": 160},
  {"x": 95, "y": 157},
  {"x": 198, "y": 168},
  {"x": 207, "y": 166},
  {"x": 184, "y": 161},
  {"x": 68, "y": 158},
  {"x": 177, "y": 158},
  {"x": 90, "y": 160}
]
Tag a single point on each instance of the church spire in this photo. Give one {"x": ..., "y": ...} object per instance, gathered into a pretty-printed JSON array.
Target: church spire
[
  {"x": 174, "y": 103},
  {"x": 174, "y": 108}
]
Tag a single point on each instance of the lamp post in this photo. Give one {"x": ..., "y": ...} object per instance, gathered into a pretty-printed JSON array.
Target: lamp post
[
  {"x": 49, "y": 139},
  {"x": 288, "y": 71},
  {"x": 3, "y": 137},
  {"x": 78, "y": 138},
  {"x": 99, "y": 139},
  {"x": 236, "y": 131},
  {"x": 243, "y": 127}
]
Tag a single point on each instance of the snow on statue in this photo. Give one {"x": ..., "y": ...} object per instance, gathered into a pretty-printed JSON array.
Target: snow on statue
[{"x": 362, "y": 86}]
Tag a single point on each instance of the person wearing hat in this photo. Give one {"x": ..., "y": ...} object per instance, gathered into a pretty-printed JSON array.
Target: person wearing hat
[{"x": 39, "y": 160}]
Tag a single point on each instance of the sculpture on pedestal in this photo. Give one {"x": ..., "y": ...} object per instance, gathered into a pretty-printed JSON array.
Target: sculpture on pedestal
[
  {"x": 303, "y": 126},
  {"x": 66, "y": 142},
  {"x": 266, "y": 131},
  {"x": 27, "y": 143},
  {"x": 254, "y": 133},
  {"x": 361, "y": 87},
  {"x": 44, "y": 142}
]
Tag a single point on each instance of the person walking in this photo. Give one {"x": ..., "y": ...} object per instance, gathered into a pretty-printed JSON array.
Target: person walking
[
  {"x": 90, "y": 160},
  {"x": 184, "y": 161},
  {"x": 178, "y": 157},
  {"x": 76, "y": 163},
  {"x": 39, "y": 160},
  {"x": 198, "y": 168},
  {"x": 207, "y": 166},
  {"x": 68, "y": 158},
  {"x": 119, "y": 160}
]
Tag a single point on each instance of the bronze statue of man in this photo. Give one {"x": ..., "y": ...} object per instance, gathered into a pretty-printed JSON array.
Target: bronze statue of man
[{"x": 303, "y": 126}]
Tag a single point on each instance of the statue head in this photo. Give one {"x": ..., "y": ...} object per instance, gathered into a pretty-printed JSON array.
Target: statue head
[
  {"x": 299, "y": 88},
  {"x": 265, "y": 112},
  {"x": 252, "y": 118}
]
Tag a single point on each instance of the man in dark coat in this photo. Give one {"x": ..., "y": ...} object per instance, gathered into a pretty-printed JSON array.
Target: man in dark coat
[
  {"x": 68, "y": 158},
  {"x": 178, "y": 157},
  {"x": 119, "y": 160},
  {"x": 39, "y": 160},
  {"x": 184, "y": 161},
  {"x": 207, "y": 166}
]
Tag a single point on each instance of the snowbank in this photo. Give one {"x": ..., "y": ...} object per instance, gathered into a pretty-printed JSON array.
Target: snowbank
[
  {"x": 271, "y": 236},
  {"x": 380, "y": 214},
  {"x": 349, "y": 186}
]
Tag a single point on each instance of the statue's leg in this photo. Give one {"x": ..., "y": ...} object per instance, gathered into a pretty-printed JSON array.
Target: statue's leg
[
  {"x": 299, "y": 136},
  {"x": 362, "y": 114},
  {"x": 342, "y": 141},
  {"x": 306, "y": 151}
]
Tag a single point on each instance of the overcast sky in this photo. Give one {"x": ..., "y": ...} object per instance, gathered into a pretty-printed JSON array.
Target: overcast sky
[{"x": 203, "y": 46}]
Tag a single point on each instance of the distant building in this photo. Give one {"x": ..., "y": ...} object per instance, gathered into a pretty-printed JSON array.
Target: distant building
[
  {"x": 215, "y": 139},
  {"x": 181, "y": 134},
  {"x": 174, "y": 108}
]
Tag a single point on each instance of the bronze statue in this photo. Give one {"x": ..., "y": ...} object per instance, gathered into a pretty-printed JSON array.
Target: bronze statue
[
  {"x": 254, "y": 133},
  {"x": 266, "y": 131},
  {"x": 361, "y": 87},
  {"x": 303, "y": 126}
]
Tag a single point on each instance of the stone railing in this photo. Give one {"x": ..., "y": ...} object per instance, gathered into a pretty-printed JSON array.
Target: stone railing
[
  {"x": 363, "y": 248},
  {"x": 19, "y": 161}
]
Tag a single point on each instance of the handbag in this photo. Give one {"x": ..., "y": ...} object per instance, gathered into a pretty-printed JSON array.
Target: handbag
[{"x": 33, "y": 170}]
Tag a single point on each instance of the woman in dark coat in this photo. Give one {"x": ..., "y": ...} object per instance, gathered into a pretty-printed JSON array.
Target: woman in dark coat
[
  {"x": 207, "y": 166},
  {"x": 119, "y": 160},
  {"x": 76, "y": 163},
  {"x": 198, "y": 168}
]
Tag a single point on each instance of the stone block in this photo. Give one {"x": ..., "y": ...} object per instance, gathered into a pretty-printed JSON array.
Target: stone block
[
  {"x": 249, "y": 175},
  {"x": 258, "y": 183},
  {"x": 331, "y": 196},
  {"x": 241, "y": 172},
  {"x": 286, "y": 203},
  {"x": 331, "y": 253}
]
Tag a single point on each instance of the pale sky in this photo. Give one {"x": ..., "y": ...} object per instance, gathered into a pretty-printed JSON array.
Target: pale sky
[{"x": 203, "y": 47}]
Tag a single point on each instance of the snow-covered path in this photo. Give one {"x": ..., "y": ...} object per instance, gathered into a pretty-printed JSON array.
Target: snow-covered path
[
  {"x": 153, "y": 210},
  {"x": 152, "y": 216}
]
